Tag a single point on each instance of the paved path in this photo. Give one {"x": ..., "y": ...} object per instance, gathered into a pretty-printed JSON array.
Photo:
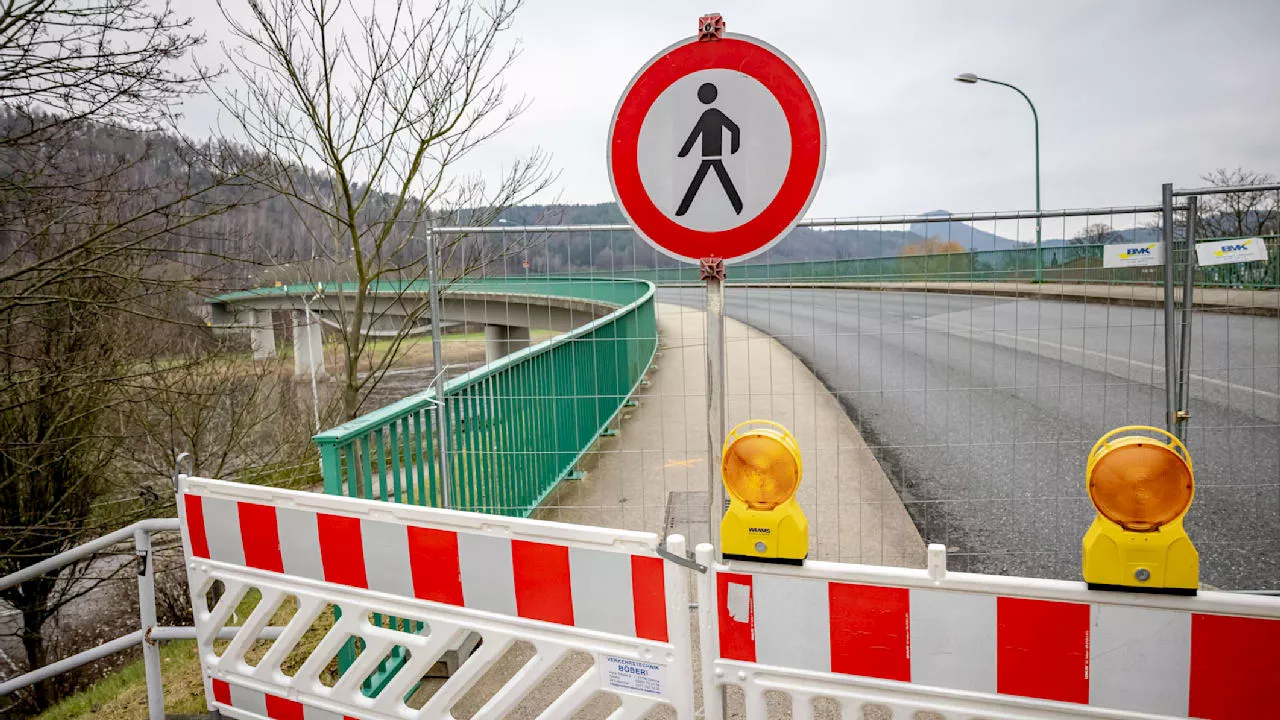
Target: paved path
[
  {"x": 854, "y": 513},
  {"x": 982, "y": 411}
]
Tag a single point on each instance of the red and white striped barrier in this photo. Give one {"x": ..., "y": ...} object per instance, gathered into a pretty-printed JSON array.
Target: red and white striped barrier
[
  {"x": 562, "y": 588},
  {"x": 1212, "y": 656},
  {"x": 605, "y": 590},
  {"x": 255, "y": 704},
  {"x": 959, "y": 645}
]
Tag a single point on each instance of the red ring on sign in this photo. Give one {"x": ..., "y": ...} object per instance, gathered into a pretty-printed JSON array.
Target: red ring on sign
[{"x": 799, "y": 107}]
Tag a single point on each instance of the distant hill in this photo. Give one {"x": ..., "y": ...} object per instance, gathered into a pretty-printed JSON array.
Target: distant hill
[
  {"x": 272, "y": 232},
  {"x": 801, "y": 244},
  {"x": 968, "y": 236},
  {"x": 619, "y": 251}
]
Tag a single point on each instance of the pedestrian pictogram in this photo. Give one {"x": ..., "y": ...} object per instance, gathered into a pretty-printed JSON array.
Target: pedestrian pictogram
[
  {"x": 716, "y": 147},
  {"x": 710, "y": 128}
]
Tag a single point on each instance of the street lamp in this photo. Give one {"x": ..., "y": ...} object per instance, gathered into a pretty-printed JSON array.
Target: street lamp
[{"x": 971, "y": 79}]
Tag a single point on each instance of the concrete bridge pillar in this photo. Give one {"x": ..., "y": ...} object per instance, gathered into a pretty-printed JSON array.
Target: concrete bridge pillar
[
  {"x": 262, "y": 334},
  {"x": 308, "y": 346},
  {"x": 502, "y": 340}
]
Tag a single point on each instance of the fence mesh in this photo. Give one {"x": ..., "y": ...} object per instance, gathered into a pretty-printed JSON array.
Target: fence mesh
[{"x": 960, "y": 415}]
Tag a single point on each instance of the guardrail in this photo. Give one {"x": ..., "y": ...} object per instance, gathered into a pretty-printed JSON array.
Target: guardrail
[
  {"x": 516, "y": 426},
  {"x": 1062, "y": 263}
]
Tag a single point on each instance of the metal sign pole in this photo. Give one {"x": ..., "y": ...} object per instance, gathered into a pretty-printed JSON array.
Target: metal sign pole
[
  {"x": 713, "y": 273},
  {"x": 437, "y": 360},
  {"x": 1170, "y": 338},
  {"x": 1183, "y": 413}
]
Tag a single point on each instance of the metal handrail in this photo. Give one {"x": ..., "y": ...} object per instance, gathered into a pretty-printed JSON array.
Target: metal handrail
[
  {"x": 80, "y": 552},
  {"x": 147, "y": 635}
]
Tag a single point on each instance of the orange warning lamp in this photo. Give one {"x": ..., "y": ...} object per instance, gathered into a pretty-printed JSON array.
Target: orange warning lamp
[
  {"x": 1142, "y": 487},
  {"x": 761, "y": 469}
]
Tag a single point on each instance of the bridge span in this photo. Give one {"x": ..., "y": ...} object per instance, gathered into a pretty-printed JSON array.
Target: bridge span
[{"x": 508, "y": 308}]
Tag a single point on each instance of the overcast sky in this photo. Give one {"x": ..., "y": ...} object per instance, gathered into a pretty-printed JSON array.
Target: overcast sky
[{"x": 1131, "y": 94}]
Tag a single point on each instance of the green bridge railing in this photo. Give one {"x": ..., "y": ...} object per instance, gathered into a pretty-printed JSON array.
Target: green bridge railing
[
  {"x": 1062, "y": 263},
  {"x": 517, "y": 426}
]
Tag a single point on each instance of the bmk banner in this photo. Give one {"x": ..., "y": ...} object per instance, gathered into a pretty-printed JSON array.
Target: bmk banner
[
  {"x": 1223, "y": 252},
  {"x": 1133, "y": 255}
]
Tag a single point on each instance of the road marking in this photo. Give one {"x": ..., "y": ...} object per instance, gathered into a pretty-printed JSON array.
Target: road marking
[
  {"x": 682, "y": 463},
  {"x": 1011, "y": 341}
]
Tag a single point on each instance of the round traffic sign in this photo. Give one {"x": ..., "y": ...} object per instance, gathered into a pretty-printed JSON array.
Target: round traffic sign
[{"x": 716, "y": 148}]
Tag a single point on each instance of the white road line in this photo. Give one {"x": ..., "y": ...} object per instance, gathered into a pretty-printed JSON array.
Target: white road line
[{"x": 1012, "y": 341}]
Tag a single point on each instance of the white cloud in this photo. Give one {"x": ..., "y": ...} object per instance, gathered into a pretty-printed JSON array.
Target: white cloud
[{"x": 1130, "y": 94}]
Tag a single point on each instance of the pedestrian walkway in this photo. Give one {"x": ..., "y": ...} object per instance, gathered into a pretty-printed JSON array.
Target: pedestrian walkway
[{"x": 657, "y": 462}]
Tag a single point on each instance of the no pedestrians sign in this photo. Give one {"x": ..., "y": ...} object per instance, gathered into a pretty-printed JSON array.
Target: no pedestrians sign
[{"x": 716, "y": 147}]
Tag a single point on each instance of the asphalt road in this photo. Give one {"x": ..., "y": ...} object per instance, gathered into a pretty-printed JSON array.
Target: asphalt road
[{"x": 982, "y": 411}]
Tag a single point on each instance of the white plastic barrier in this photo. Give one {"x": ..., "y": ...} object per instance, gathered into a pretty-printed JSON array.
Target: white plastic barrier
[
  {"x": 563, "y": 589},
  {"x": 979, "y": 646}
]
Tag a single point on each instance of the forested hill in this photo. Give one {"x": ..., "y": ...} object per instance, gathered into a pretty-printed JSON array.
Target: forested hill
[
  {"x": 801, "y": 244},
  {"x": 270, "y": 230},
  {"x": 115, "y": 166}
]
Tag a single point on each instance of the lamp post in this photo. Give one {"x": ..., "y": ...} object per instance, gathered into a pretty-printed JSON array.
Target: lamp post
[
  {"x": 315, "y": 395},
  {"x": 970, "y": 79}
]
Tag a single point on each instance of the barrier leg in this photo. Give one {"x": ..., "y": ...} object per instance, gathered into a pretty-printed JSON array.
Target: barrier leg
[
  {"x": 709, "y": 634},
  {"x": 676, "y": 580}
]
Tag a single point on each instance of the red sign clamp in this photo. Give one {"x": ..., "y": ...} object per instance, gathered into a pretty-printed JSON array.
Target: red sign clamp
[
  {"x": 711, "y": 268},
  {"x": 710, "y": 27}
]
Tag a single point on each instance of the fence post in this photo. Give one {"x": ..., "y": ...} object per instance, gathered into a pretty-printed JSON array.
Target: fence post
[
  {"x": 147, "y": 618},
  {"x": 708, "y": 632},
  {"x": 330, "y": 466},
  {"x": 1183, "y": 413},
  {"x": 437, "y": 359},
  {"x": 1170, "y": 340}
]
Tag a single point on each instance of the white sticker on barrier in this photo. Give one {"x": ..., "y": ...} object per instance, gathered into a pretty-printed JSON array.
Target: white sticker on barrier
[
  {"x": 636, "y": 676},
  {"x": 740, "y": 602}
]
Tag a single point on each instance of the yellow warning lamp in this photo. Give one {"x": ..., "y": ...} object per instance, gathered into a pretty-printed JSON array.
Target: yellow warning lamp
[
  {"x": 761, "y": 470},
  {"x": 1142, "y": 487}
]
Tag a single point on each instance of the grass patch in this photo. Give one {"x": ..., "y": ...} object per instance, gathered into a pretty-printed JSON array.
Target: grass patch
[{"x": 122, "y": 695}]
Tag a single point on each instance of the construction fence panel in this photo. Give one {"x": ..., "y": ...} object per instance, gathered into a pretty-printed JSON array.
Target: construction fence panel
[
  {"x": 967, "y": 396},
  {"x": 938, "y": 394},
  {"x": 476, "y": 615}
]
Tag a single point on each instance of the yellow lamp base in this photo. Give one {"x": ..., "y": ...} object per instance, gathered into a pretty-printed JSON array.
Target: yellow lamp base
[
  {"x": 1161, "y": 561},
  {"x": 777, "y": 535}
]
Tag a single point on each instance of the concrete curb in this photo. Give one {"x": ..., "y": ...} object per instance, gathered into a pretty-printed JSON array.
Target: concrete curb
[{"x": 1265, "y": 303}]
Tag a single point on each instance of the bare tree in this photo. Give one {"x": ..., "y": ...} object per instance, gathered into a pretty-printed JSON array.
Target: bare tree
[
  {"x": 108, "y": 61},
  {"x": 90, "y": 223},
  {"x": 233, "y": 416},
  {"x": 1238, "y": 214},
  {"x": 386, "y": 99},
  {"x": 1096, "y": 234}
]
